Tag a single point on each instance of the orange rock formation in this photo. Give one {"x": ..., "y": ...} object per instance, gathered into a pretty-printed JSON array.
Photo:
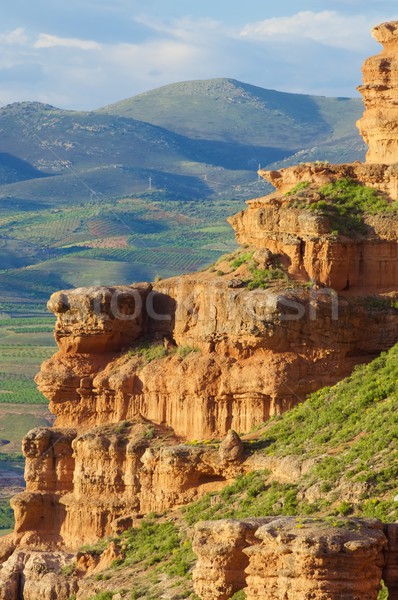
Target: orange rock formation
[
  {"x": 289, "y": 559},
  {"x": 142, "y": 369},
  {"x": 378, "y": 125}
]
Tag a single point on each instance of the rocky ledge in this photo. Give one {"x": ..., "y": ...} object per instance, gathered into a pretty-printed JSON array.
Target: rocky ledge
[
  {"x": 292, "y": 559},
  {"x": 150, "y": 378}
]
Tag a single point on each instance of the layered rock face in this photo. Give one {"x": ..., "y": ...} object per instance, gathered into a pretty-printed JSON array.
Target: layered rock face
[
  {"x": 289, "y": 558},
  {"x": 378, "y": 125},
  {"x": 257, "y": 354},
  {"x": 83, "y": 487},
  {"x": 305, "y": 242},
  {"x": 143, "y": 370}
]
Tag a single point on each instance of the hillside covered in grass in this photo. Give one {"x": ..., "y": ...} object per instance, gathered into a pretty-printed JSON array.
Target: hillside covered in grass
[{"x": 334, "y": 455}]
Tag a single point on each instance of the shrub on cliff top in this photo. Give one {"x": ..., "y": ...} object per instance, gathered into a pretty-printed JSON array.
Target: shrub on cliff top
[
  {"x": 300, "y": 187},
  {"x": 262, "y": 278},
  {"x": 345, "y": 202},
  {"x": 351, "y": 197}
]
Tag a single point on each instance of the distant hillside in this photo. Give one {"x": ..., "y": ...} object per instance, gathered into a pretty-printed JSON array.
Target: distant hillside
[
  {"x": 229, "y": 110},
  {"x": 193, "y": 139},
  {"x": 82, "y": 193}
]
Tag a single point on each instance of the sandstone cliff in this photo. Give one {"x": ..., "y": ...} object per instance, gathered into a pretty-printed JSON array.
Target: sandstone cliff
[
  {"x": 292, "y": 558},
  {"x": 149, "y": 378},
  {"x": 379, "y": 90}
]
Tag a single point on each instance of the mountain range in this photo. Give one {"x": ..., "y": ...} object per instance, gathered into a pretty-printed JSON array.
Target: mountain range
[{"x": 149, "y": 172}]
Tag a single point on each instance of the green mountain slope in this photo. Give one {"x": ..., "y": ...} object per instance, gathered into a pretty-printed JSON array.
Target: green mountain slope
[
  {"x": 226, "y": 109},
  {"x": 199, "y": 141},
  {"x": 191, "y": 139}
]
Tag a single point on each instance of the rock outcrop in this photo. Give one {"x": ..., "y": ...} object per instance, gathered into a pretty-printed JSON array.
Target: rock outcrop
[
  {"x": 83, "y": 487},
  {"x": 289, "y": 558},
  {"x": 258, "y": 353},
  {"x": 378, "y": 125},
  {"x": 143, "y": 372},
  {"x": 306, "y": 242}
]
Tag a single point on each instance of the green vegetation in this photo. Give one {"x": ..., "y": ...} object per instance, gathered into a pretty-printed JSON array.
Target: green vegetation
[
  {"x": 24, "y": 344},
  {"x": 349, "y": 430},
  {"x": 262, "y": 278},
  {"x": 246, "y": 257},
  {"x": 184, "y": 351},
  {"x": 259, "y": 278},
  {"x": 351, "y": 197},
  {"x": 147, "y": 351},
  {"x": 6, "y": 515},
  {"x": 345, "y": 203},
  {"x": 383, "y": 594},
  {"x": 154, "y": 543},
  {"x": 239, "y": 595},
  {"x": 156, "y": 554},
  {"x": 119, "y": 240},
  {"x": 300, "y": 187}
]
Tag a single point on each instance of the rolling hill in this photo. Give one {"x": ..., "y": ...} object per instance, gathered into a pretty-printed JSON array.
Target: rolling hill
[{"x": 126, "y": 192}]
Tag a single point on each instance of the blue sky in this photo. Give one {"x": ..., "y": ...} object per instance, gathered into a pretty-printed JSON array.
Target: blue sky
[{"x": 83, "y": 54}]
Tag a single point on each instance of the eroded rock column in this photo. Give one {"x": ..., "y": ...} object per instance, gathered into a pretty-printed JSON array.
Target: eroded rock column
[
  {"x": 293, "y": 559},
  {"x": 379, "y": 124},
  {"x": 321, "y": 560},
  {"x": 219, "y": 546}
]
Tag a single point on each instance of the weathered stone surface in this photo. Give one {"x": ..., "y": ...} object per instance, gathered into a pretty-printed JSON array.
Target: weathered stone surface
[
  {"x": 252, "y": 344},
  {"x": 289, "y": 559},
  {"x": 133, "y": 468},
  {"x": 114, "y": 316},
  {"x": 378, "y": 126},
  {"x": 231, "y": 448},
  {"x": 305, "y": 244},
  {"x": 219, "y": 546},
  {"x": 390, "y": 571},
  {"x": 310, "y": 559},
  {"x": 36, "y": 576},
  {"x": 50, "y": 463}
]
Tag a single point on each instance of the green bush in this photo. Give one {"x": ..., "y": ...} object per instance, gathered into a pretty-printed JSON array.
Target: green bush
[
  {"x": 103, "y": 596},
  {"x": 262, "y": 278},
  {"x": 183, "y": 351},
  {"x": 6, "y": 515},
  {"x": 158, "y": 544},
  {"x": 345, "y": 202},
  {"x": 239, "y": 595},
  {"x": 300, "y": 187},
  {"x": 147, "y": 351},
  {"x": 241, "y": 260},
  {"x": 68, "y": 570}
]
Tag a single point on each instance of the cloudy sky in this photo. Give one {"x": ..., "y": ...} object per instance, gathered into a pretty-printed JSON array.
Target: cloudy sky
[{"x": 83, "y": 54}]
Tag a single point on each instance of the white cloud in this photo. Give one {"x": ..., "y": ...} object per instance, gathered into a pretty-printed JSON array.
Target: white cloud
[
  {"x": 15, "y": 37},
  {"x": 308, "y": 52},
  {"x": 46, "y": 40},
  {"x": 185, "y": 28},
  {"x": 327, "y": 27}
]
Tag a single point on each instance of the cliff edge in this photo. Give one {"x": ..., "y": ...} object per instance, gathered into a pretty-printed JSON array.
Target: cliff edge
[{"x": 153, "y": 385}]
